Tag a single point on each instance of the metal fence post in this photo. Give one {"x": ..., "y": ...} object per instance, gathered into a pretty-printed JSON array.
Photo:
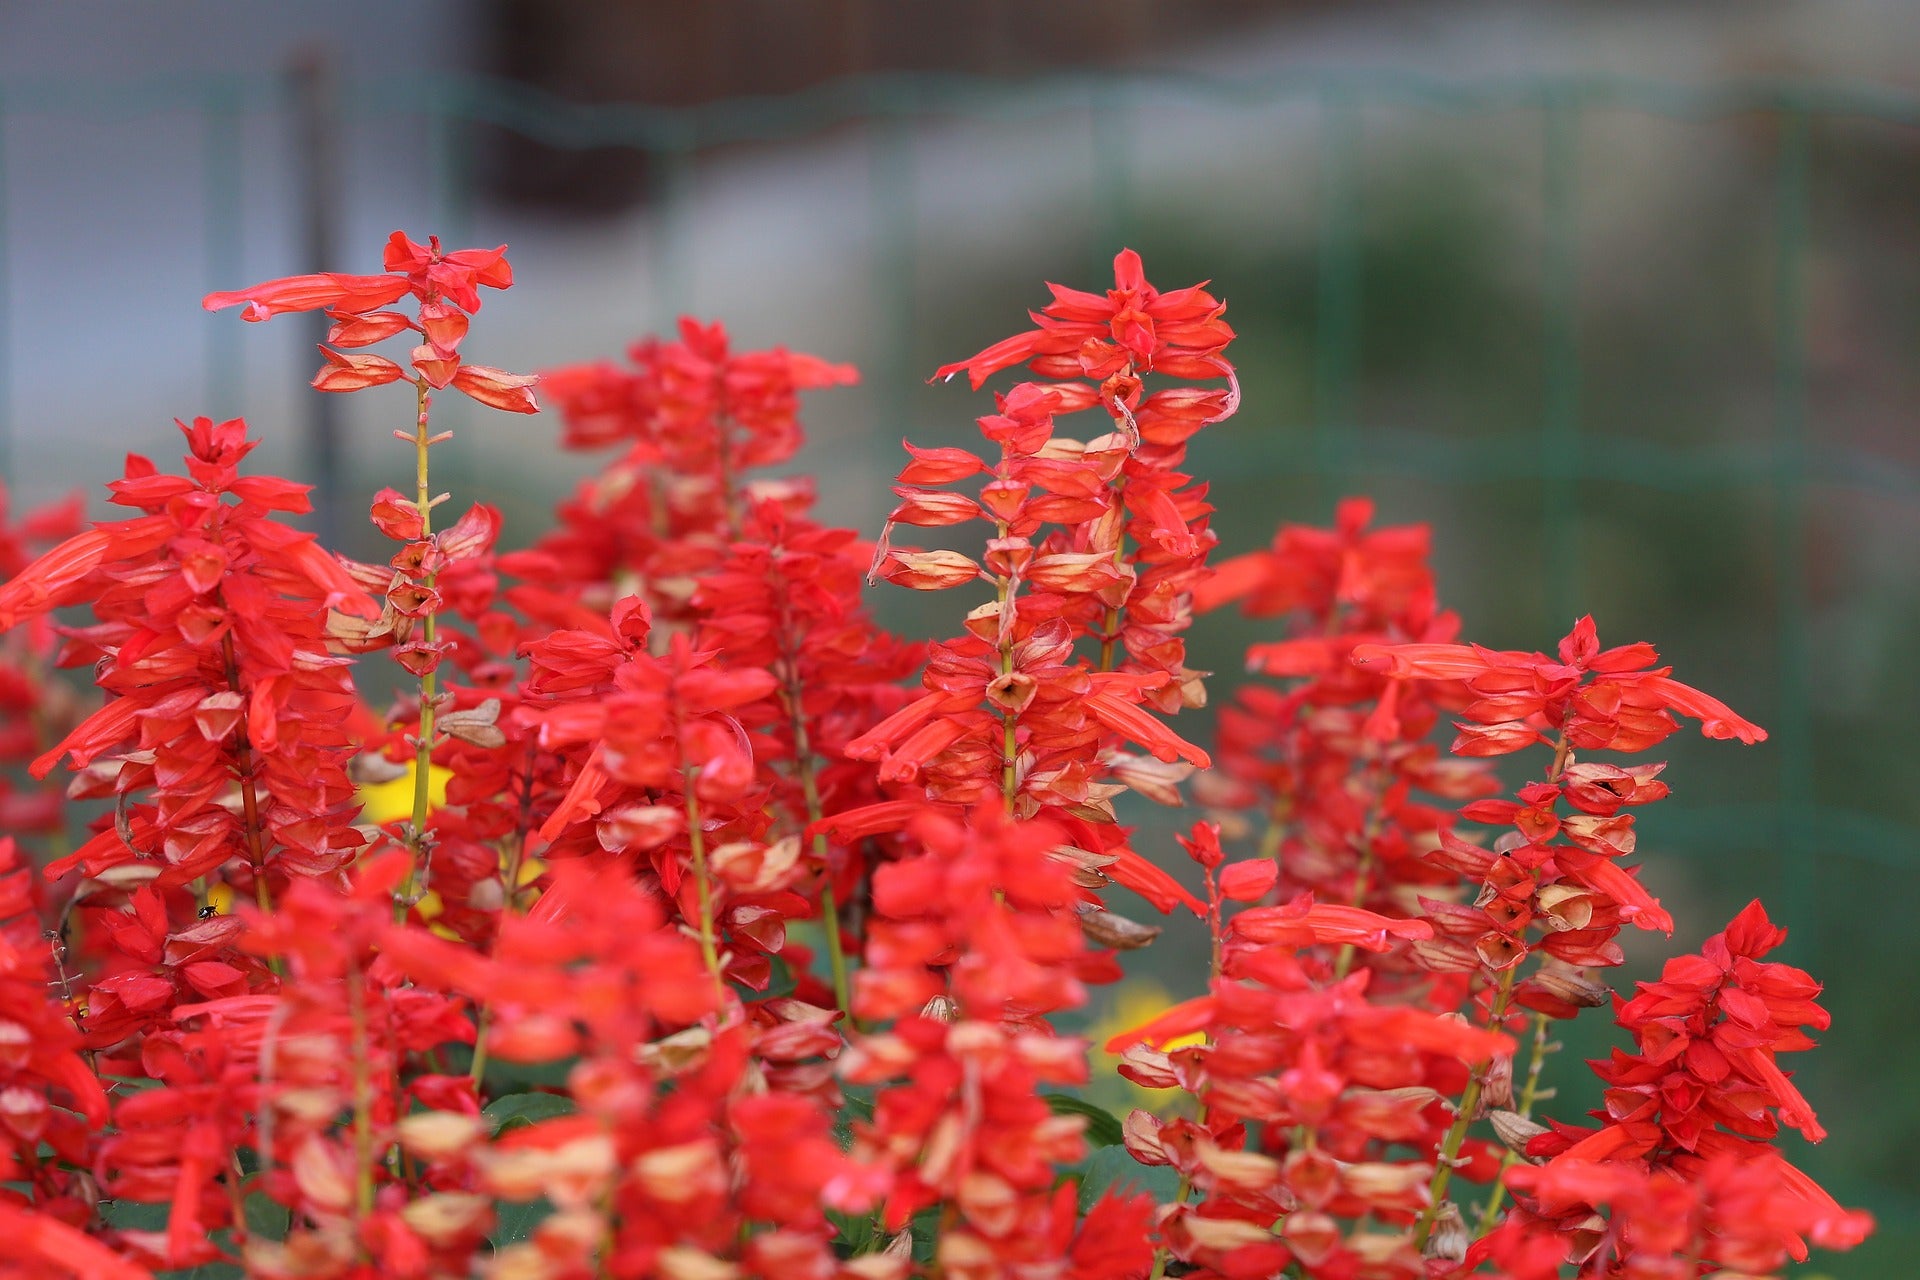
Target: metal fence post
[
  {"x": 1112, "y": 183},
  {"x": 6, "y": 318},
  {"x": 1336, "y": 336},
  {"x": 1793, "y": 735},
  {"x": 225, "y": 190},
  {"x": 1560, "y": 425},
  {"x": 895, "y": 224}
]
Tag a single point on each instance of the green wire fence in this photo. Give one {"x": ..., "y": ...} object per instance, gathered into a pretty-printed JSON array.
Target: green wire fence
[{"x": 1558, "y": 457}]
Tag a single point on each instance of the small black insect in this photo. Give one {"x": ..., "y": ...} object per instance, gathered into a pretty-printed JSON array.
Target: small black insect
[{"x": 209, "y": 911}]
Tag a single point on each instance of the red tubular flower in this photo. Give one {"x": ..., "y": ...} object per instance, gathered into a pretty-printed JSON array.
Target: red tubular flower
[
  {"x": 1626, "y": 705},
  {"x": 1178, "y": 332},
  {"x": 211, "y": 631},
  {"x": 330, "y": 290},
  {"x": 447, "y": 287},
  {"x": 1101, "y": 541},
  {"x": 1682, "y": 1159}
]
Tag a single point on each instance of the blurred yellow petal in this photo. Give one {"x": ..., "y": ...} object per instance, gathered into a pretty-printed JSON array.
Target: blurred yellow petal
[
  {"x": 1140, "y": 1000},
  {"x": 387, "y": 801}
]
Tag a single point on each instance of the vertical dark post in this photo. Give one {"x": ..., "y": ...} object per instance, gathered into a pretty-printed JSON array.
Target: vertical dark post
[
  {"x": 1336, "y": 338},
  {"x": 670, "y": 164},
  {"x": 313, "y": 80},
  {"x": 6, "y": 323},
  {"x": 1112, "y": 176},
  {"x": 895, "y": 224},
  {"x": 1560, "y": 426},
  {"x": 225, "y": 187},
  {"x": 1793, "y": 729}
]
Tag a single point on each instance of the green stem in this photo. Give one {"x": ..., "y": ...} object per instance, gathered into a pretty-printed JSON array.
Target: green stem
[
  {"x": 810, "y": 792},
  {"x": 429, "y": 682},
  {"x": 362, "y": 1096},
  {"x": 1010, "y": 741},
  {"x": 1529, "y": 1095},
  {"x": 483, "y": 1019},
  {"x": 703, "y": 888},
  {"x": 1362, "y": 875},
  {"x": 249, "y": 796},
  {"x": 1463, "y": 1118},
  {"x": 1344, "y": 964}
]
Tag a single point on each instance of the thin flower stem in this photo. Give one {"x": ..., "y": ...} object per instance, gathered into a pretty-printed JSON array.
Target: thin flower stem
[
  {"x": 1462, "y": 1118},
  {"x": 1529, "y": 1095},
  {"x": 1274, "y": 835},
  {"x": 429, "y": 681},
  {"x": 362, "y": 1097},
  {"x": 1344, "y": 964},
  {"x": 804, "y": 766},
  {"x": 483, "y": 1019},
  {"x": 249, "y": 797},
  {"x": 236, "y": 1200},
  {"x": 1116, "y": 614},
  {"x": 478, "y": 1070},
  {"x": 1362, "y": 878},
  {"x": 1162, "y": 1255},
  {"x": 516, "y": 860},
  {"x": 1470, "y": 1100},
  {"x": 703, "y": 888},
  {"x": 1010, "y": 741}
]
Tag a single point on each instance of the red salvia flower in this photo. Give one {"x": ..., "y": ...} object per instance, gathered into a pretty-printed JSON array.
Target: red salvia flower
[{"x": 447, "y": 289}]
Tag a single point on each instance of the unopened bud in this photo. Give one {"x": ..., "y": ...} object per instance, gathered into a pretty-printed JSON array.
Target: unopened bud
[
  {"x": 1496, "y": 1087},
  {"x": 941, "y": 1009},
  {"x": 1563, "y": 982},
  {"x": 1448, "y": 1241},
  {"x": 1515, "y": 1131},
  {"x": 1116, "y": 931}
]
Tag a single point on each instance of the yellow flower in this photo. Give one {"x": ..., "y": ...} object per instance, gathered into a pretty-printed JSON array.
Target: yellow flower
[
  {"x": 386, "y": 801},
  {"x": 1136, "y": 1002}
]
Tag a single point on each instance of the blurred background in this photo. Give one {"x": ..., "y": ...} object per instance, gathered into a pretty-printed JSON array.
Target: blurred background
[{"x": 1622, "y": 297}]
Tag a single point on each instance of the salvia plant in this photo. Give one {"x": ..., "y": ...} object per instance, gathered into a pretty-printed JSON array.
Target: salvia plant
[{"x": 677, "y": 920}]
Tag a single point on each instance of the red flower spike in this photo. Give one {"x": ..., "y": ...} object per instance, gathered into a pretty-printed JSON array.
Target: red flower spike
[
  {"x": 711, "y": 742},
  {"x": 446, "y": 286},
  {"x": 1084, "y": 333}
]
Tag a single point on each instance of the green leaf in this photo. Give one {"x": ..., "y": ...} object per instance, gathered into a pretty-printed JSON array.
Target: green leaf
[
  {"x": 266, "y": 1217},
  {"x": 135, "y": 1215},
  {"x": 515, "y": 1222},
  {"x": 205, "y": 1271},
  {"x": 854, "y": 1233},
  {"x": 518, "y": 1110},
  {"x": 857, "y": 1107},
  {"x": 1103, "y": 1127},
  {"x": 517, "y": 1077},
  {"x": 1114, "y": 1169}
]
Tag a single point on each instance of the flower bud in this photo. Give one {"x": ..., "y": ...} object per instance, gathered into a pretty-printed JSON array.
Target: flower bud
[
  {"x": 1496, "y": 1087},
  {"x": 1564, "y": 982},
  {"x": 1449, "y": 1239},
  {"x": 1106, "y": 929},
  {"x": 1515, "y": 1131}
]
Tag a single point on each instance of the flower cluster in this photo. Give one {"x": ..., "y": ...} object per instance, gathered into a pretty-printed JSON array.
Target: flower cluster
[
  {"x": 717, "y": 934},
  {"x": 446, "y": 287}
]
